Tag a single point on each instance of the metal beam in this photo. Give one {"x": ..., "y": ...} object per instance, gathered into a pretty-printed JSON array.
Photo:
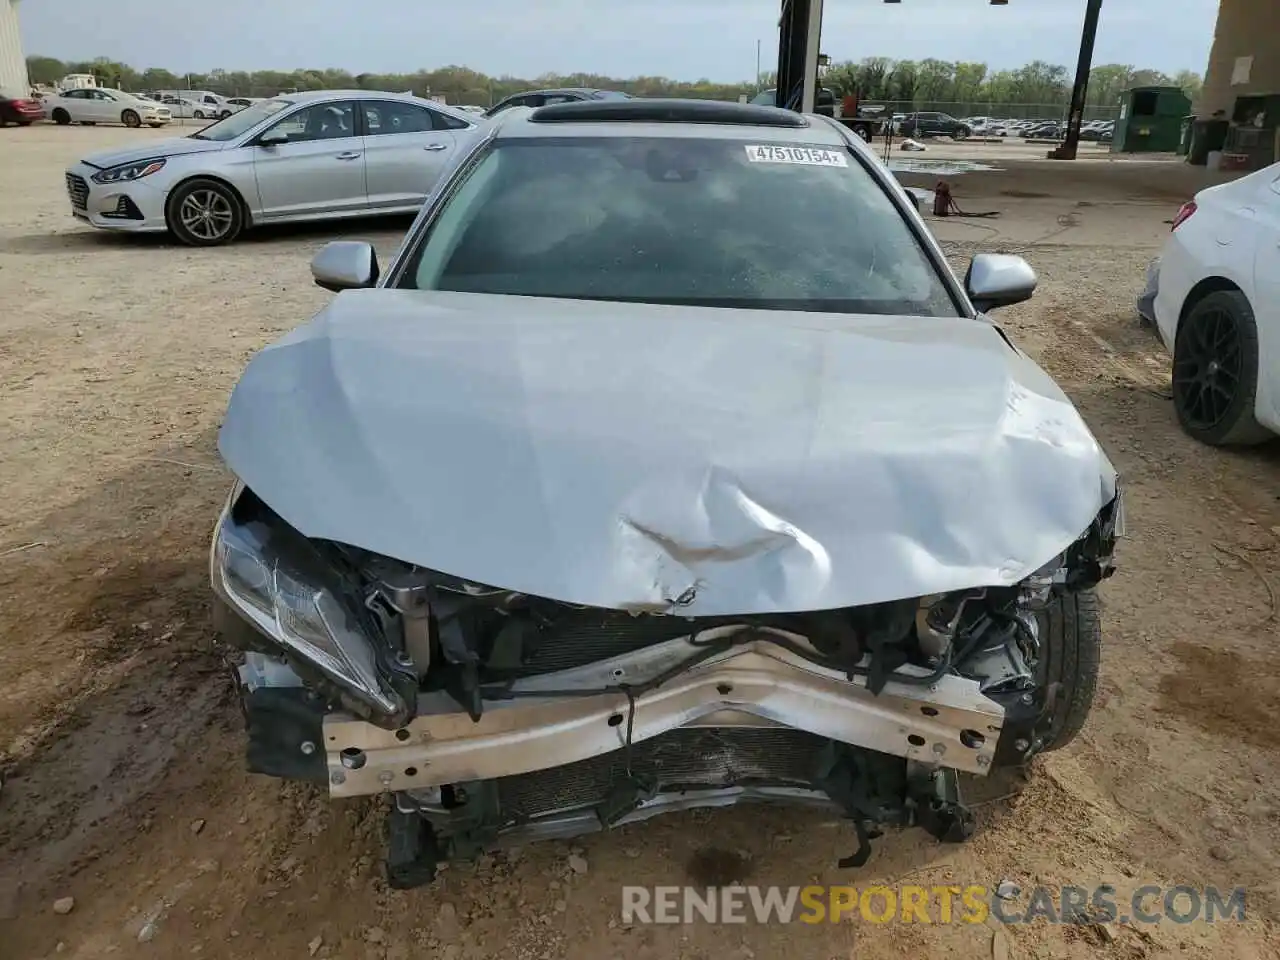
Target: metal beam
[
  {"x": 813, "y": 37},
  {"x": 1080, "y": 91},
  {"x": 799, "y": 34}
]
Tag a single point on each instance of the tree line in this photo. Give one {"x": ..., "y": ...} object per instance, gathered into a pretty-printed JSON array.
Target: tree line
[{"x": 924, "y": 84}]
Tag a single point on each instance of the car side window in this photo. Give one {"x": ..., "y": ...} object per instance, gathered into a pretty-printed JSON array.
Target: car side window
[
  {"x": 320, "y": 121},
  {"x": 388, "y": 116},
  {"x": 558, "y": 98},
  {"x": 445, "y": 122},
  {"x": 74, "y": 95}
]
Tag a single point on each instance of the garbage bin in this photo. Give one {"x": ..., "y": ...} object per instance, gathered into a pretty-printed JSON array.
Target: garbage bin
[{"x": 1206, "y": 136}]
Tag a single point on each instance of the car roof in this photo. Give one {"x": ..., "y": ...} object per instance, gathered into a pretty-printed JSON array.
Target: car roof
[
  {"x": 711, "y": 119},
  {"x": 309, "y": 96},
  {"x": 584, "y": 90}
]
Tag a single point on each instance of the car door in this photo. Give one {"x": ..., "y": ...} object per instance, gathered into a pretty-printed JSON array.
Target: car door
[
  {"x": 317, "y": 169},
  {"x": 97, "y": 105},
  {"x": 406, "y": 148},
  {"x": 73, "y": 101}
]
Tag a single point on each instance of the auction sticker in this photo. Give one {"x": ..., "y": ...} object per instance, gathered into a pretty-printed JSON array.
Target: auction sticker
[{"x": 808, "y": 156}]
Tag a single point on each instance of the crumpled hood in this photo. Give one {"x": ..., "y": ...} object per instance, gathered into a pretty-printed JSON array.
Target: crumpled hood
[
  {"x": 701, "y": 461},
  {"x": 150, "y": 149}
]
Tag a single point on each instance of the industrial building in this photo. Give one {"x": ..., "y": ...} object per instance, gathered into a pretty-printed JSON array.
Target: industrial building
[
  {"x": 1242, "y": 82},
  {"x": 13, "y": 62}
]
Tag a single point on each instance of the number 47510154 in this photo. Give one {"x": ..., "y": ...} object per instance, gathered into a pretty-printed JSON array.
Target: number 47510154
[{"x": 809, "y": 156}]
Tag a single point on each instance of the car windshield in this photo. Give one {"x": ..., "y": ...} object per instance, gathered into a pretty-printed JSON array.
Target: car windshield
[
  {"x": 242, "y": 121},
  {"x": 717, "y": 223}
]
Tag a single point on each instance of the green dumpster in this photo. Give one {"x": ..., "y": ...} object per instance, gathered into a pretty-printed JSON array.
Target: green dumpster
[{"x": 1151, "y": 120}]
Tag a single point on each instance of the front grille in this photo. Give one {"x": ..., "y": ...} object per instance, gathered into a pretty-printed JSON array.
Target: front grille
[
  {"x": 689, "y": 758},
  {"x": 78, "y": 190},
  {"x": 579, "y": 637}
]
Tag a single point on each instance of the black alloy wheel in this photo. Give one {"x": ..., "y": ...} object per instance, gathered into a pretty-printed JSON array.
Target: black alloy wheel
[{"x": 1215, "y": 371}]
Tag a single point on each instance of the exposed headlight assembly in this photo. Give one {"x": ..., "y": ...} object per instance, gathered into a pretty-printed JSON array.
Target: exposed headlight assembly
[
  {"x": 294, "y": 595},
  {"x": 128, "y": 171}
]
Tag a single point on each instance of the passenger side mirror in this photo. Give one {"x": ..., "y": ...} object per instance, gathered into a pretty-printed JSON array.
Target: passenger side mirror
[
  {"x": 999, "y": 280},
  {"x": 345, "y": 265},
  {"x": 273, "y": 138}
]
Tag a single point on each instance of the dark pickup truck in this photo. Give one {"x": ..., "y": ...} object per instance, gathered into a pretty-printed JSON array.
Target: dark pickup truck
[{"x": 866, "y": 122}]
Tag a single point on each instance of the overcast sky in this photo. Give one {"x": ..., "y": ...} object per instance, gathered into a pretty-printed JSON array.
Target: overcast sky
[{"x": 684, "y": 39}]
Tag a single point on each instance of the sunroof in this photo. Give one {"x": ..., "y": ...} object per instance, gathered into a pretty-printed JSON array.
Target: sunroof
[{"x": 667, "y": 111}]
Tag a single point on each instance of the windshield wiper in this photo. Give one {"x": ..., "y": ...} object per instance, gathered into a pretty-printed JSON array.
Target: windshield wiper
[{"x": 196, "y": 136}]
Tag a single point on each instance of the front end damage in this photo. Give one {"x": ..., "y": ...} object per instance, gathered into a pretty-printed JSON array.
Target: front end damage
[{"x": 491, "y": 716}]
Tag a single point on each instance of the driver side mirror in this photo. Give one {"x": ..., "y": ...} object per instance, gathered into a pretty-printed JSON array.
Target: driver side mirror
[
  {"x": 345, "y": 265},
  {"x": 273, "y": 139},
  {"x": 999, "y": 280}
]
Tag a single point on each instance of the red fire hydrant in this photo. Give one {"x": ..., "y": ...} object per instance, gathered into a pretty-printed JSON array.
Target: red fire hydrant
[{"x": 942, "y": 202}]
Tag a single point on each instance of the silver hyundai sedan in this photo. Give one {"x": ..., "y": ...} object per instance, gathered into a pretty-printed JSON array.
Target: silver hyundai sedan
[{"x": 306, "y": 156}]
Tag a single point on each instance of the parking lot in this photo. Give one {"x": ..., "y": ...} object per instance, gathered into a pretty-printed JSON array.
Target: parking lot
[{"x": 123, "y": 777}]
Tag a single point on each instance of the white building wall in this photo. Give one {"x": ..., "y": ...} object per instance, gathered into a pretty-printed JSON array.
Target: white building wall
[{"x": 13, "y": 62}]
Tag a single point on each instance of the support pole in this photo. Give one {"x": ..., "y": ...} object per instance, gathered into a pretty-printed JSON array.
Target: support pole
[
  {"x": 799, "y": 34},
  {"x": 1080, "y": 91},
  {"x": 813, "y": 38}
]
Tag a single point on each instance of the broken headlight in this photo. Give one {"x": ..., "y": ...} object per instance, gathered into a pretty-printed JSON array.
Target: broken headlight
[{"x": 285, "y": 586}]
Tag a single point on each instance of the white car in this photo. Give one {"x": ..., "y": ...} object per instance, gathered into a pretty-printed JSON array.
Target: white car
[
  {"x": 313, "y": 156},
  {"x": 104, "y": 105},
  {"x": 1217, "y": 306},
  {"x": 198, "y": 104},
  {"x": 187, "y": 109}
]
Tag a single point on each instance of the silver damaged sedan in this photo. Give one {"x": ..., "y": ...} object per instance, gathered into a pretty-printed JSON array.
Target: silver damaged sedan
[
  {"x": 306, "y": 156},
  {"x": 667, "y": 465}
]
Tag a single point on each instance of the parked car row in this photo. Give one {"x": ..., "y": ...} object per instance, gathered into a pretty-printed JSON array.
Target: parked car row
[
  {"x": 1098, "y": 130},
  {"x": 90, "y": 103}
]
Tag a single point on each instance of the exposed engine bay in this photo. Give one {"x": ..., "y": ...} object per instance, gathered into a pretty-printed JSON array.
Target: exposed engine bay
[{"x": 491, "y": 715}]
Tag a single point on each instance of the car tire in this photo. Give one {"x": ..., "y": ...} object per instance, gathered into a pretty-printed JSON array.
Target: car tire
[
  {"x": 224, "y": 114},
  {"x": 197, "y": 114},
  {"x": 61, "y": 117},
  {"x": 963, "y": 133},
  {"x": 1070, "y": 653},
  {"x": 189, "y": 202},
  {"x": 1215, "y": 371},
  {"x": 131, "y": 119}
]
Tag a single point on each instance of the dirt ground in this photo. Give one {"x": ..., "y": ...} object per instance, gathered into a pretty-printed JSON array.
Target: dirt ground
[{"x": 123, "y": 781}]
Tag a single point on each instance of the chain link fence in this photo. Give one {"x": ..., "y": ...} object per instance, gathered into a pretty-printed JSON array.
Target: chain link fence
[{"x": 1047, "y": 112}]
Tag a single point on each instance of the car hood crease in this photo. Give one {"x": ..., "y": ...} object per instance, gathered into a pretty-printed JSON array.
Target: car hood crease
[
  {"x": 666, "y": 458},
  {"x": 150, "y": 149}
]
